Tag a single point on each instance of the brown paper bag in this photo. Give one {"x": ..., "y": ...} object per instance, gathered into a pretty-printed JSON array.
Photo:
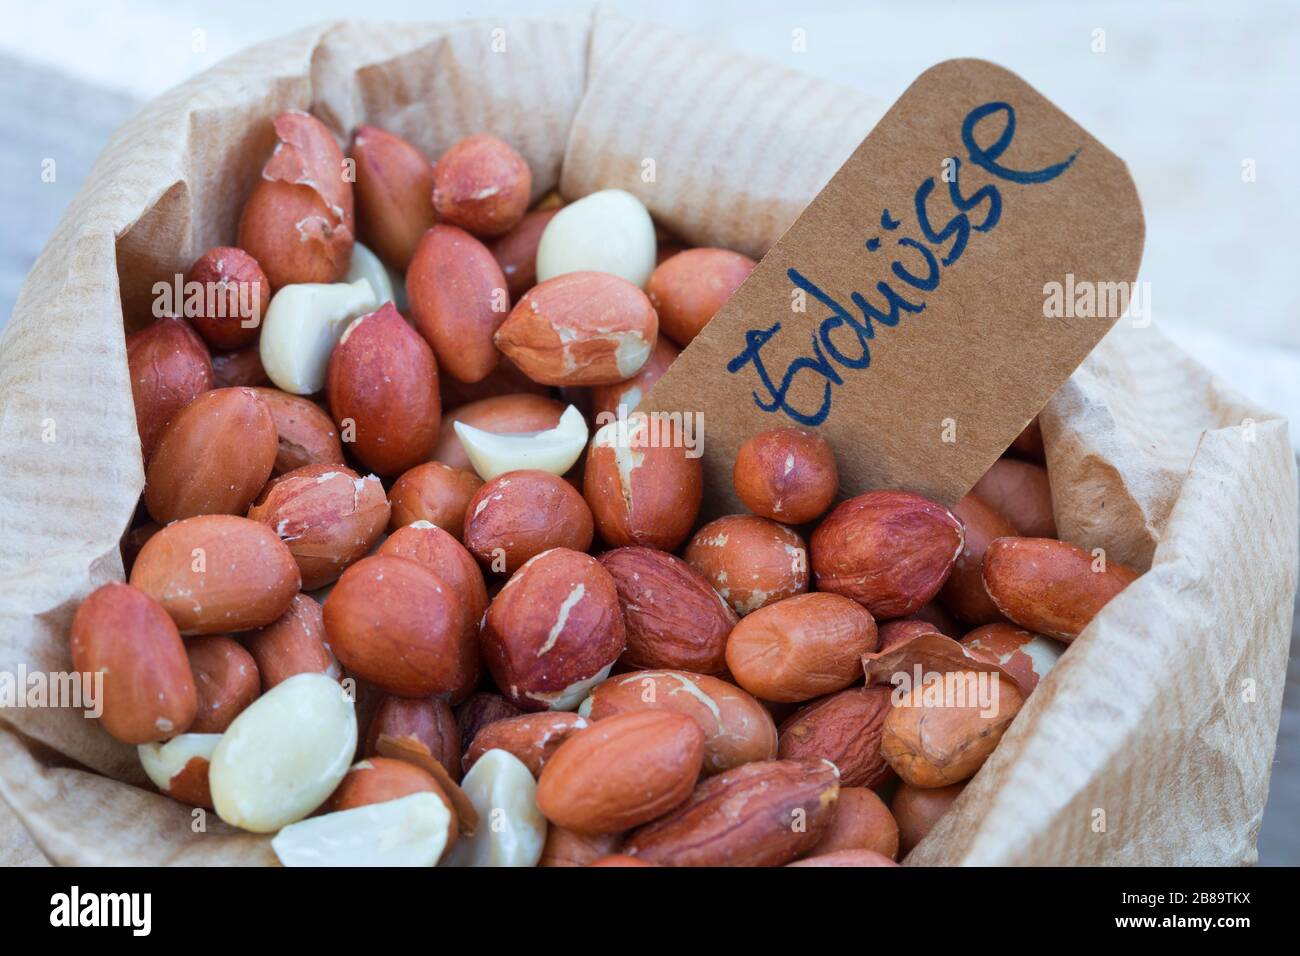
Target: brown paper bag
[{"x": 1152, "y": 740}]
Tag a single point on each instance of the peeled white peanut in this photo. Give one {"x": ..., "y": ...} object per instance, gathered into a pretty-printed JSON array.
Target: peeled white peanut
[
  {"x": 302, "y": 325},
  {"x": 284, "y": 755},
  {"x": 511, "y": 830},
  {"x": 574, "y": 695},
  {"x": 608, "y": 231},
  {"x": 1044, "y": 652},
  {"x": 366, "y": 265},
  {"x": 408, "y": 831},
  {"x": 163, "y": 761},
  {"x": 554, "y": 450}
]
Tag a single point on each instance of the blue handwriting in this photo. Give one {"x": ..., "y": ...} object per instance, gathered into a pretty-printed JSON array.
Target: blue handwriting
[{"x": 842, "y": 339}]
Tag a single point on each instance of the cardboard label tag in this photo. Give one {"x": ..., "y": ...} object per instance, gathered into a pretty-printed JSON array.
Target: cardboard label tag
[{"x": 915, "y": 313}]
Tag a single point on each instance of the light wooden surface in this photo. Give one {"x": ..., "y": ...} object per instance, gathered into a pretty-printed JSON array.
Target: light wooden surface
[{"x": 48, "y": 116}]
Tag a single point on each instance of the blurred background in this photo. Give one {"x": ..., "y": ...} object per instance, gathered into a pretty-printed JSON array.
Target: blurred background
[{"x": 1197, "y": 97}]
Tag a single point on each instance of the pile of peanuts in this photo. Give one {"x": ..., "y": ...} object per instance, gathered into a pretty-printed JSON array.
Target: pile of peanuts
[{"x": 500, "y": 633}]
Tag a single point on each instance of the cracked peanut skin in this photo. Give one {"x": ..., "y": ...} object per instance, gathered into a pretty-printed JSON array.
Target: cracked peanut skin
[
  {"x": 752, "y": 562},
  {"x": 553, "y": 631},
  {"x": 642, "y": 484},
  {"x": 328, "y": 515},
  {"x": 581, "y": 328},
  {"x": 298, "y": 221}
]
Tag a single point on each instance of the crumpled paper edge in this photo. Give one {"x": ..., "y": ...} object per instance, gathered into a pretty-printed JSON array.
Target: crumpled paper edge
[{"x": 1071, "y": 782}]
